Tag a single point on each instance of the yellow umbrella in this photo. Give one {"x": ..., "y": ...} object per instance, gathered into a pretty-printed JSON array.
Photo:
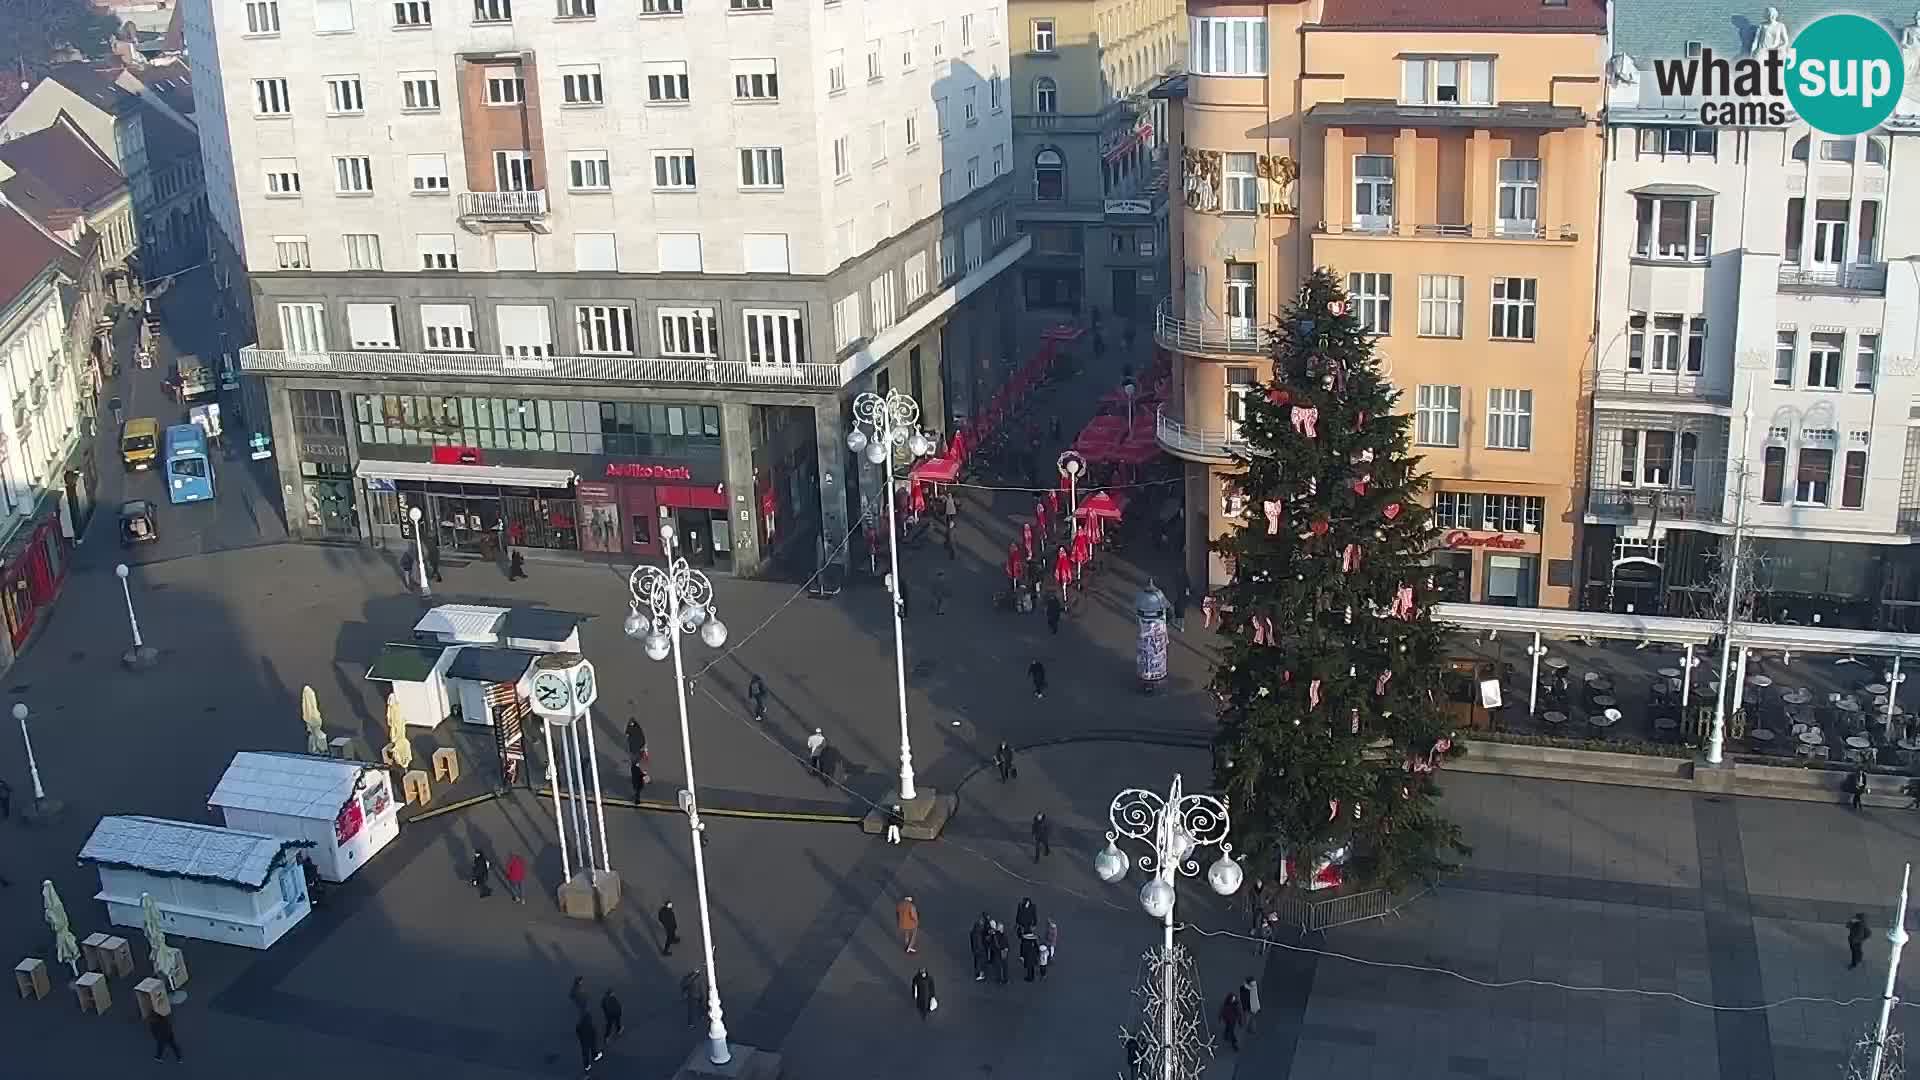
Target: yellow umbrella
[
  {"x": 65, "y": 948},
  {"x": 310, "y": 714},
  {"x": 399, "y": 749},
  {"x": 166, "y": 958}
]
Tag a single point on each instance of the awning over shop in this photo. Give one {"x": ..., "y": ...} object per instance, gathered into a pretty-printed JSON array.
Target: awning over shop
[
  {"x": 488, "y": 665},
  {"x": 501, "y": 475},
  {"x": 400, "y": 662},
  {"x": 541, "y": 624}
]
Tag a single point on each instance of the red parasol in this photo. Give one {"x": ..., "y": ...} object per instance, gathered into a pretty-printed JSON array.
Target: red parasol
[
  {"x": 1083, "y": 545},
  {"x": 1104, "y": 504},
  {"x": 1062, "y": 570},
  {"x": 1026, "y": 538}
]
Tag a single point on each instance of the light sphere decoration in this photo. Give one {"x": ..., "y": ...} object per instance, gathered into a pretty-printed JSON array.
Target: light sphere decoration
[
  {"x": 637, "y": 624},
  {"x": 693, "y": 615},
  {"x": 919, "y": 445},
  {"x": 856, "y": 440},
  {"x": 877, "y": 453},
  {"x": 1110, "y": 863},
  {"x": 1225, "y": 875},
  {"x": 20, "y": 711},
  {"x": 714, "y": 633},
  {"x": 1156, "y": 898},
  {"x": 897, "y": 436},
  {"x": 657, "y": 645}
]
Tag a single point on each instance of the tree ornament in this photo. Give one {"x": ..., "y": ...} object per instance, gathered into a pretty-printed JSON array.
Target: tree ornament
[
  {"x": 1380, "y": 684},
  {"x": 1350, "y": 561},
  {"x": 1360, "y": 483},
  {"x": 1391, "y": 510},
  {"x": 1336, "y": 308},
  {"x": 1320, "y": 526},
  {"x": 1279, "y": 395},
  {"x": 1333, "y": 809},
  {"x": 1360, "y": 420},
  {"x": 1347, "y": 616},
  {"x": 1354, "y": 727},
  {"x": 1402, "y": 604},
  {"x": 1363, "y": 455},
  {"x": 1272, "y": 508},
  {"x": 1313, "y": 694},
  {"x": 1305, "y": 421}
]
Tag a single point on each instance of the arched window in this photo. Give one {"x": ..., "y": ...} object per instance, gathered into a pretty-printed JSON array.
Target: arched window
[
  {"x": 1049, "y": 176},
  {"x": 1802, "y": 148},
  {"x": 1689, "y": 452},
  {"x": 1876, "y": 151},
  {"x": 1046, "y": 95}
]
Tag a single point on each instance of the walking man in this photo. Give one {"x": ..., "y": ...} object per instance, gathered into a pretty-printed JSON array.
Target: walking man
[
  {"x": 816, "y": 751},
  {"x": 1026, "y": 916},
  {"x": 433, "y": 562},
  {"x": 1029, "y": 953},
  {"x": 895, "y": 820},
  {"x": 482, "y": 874},
  {"x": 516, "y": 877},
  {"x": 977, "y": 946},
  {"x": 1003, "y": 761},
  {"x": 636, "y": 739},
  {"x": 757, "y": 694},
  {"x": 637, "y": 773},
  {"x": 1042, "y": 836},
  {"x": 1250, "y": 1001},
  {"x": 583, "y": 1030},
  {"x": 516, "y": 566},
  {"x": 940, "y": 591},
  {"x": 951, "y": 511},
  {"x": 1037, "y": 671},
  {"x": 909, "y": 918},
  {"x": 1230, "y": 1020},
  {"x": 923, "y": 998},
  {"x": 1857, "y": 934},
  {"x": 670, "y": 928},
  {"x": 1054, "y": 609},
  {"x": 1856, "y": 788},
  {"x": 997, "y": 946},
  {"x": 610, "y": 1010},
  {"x": 160, "y": 1025}
]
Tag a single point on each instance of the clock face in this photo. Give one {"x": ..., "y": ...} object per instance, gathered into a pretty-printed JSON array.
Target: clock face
[
  {"x": 583, "y": 687},
  {"x": 551, "y": 691}
]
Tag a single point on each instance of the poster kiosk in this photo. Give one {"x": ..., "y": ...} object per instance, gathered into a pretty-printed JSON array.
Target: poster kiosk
[
  {"x": 208, "y": 882},
  {"x": 491, "y": 687},
  {"x": 344, "y": 809}
]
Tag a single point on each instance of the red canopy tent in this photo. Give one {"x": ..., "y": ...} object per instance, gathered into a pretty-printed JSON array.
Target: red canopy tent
[{"x": 940, "y": 470}]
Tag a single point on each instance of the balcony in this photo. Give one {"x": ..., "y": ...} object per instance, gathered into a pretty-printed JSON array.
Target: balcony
[
  {"x": 1909, "y": 520},
  {"x": 1828, "y": 277},
  {"x": 557, "y": 369},
  {"x": 503, "y": 207},
  {"x": 1505, "y": 230},
  {"x": 1182, "y": 335},
  {"x": 1638, "y": 387},
  {"x": 1194, "y": 444},
  {"x": 1616, "y": 502},
  {"x": 1059, "y": 123}
]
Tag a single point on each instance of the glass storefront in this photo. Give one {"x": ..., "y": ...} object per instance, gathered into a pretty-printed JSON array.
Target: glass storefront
[
  {"x": 326, "y": 499},
  {"x": 599, "y": 428}
]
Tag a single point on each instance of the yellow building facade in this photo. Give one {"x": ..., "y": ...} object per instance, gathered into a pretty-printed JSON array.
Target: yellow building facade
[{"x": 1446, "y": 164}]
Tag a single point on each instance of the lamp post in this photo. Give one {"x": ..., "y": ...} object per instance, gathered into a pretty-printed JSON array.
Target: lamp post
[
  {"x": 679, "y": 600},
  {"x": 1175, "y": 825},
  {"x": 140, "y": 655},
  {"x": 894, "y": 423},
  {"x": 1717, "y": 734},
  {"x": 1537, "y": 652},
  {"x": 419, "y": 549},
  {"x": 44, "y": 809},
  {"x": 1071, "y": 465},
  {"x": 1131, "y": 390},
  {"x": 1897, "y": 938}
]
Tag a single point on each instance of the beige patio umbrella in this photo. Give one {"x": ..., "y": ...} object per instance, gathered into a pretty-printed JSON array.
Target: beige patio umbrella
[
  {"x": 310, "y": 715},
  {"x": 65, "y": 948},
  {"x": 166, "y": 958},
  {"x": 399, "y": 748}
]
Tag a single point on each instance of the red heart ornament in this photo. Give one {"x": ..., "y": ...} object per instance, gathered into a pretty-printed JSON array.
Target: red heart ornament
[
  {"x": 1392, "y": 511},
  {"x": 1279, "y": 397},
  {"x": 1320, "y": 527}
]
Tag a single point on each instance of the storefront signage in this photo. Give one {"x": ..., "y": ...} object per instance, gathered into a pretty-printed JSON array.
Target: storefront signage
[
  {"x": 322, "y": 448},
  {"x": 1460, "y": 538},
  {"x": 1129, "y": 206},
  {"x": 630, "y": 470}
]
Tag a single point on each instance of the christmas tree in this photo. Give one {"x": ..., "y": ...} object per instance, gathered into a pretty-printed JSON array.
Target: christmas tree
[{"x": 1329, "y": 684}]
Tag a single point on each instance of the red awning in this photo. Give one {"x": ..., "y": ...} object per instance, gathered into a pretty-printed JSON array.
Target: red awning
[
  {"x": 940, "y": 470},
  {"x": 703, "y": 497}
]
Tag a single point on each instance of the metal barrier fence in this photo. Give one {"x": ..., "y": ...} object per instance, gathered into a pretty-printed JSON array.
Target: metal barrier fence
[{"x": 1303, "y": 913}]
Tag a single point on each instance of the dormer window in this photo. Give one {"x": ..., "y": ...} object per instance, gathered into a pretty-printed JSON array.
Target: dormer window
[{"x": 1451, "y": 82}]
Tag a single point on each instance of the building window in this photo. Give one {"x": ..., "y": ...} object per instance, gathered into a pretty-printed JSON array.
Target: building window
[
  {"x": 513, "y": 170},
  {"x": 447, "y": 327},
  {"x": 842, "y": 155},
  {"x": 1227, "y": 46},
  {"x": 412, "y": 13},
  {"x": 1373, "y": 192},
  {"x": 1437, "y": 415},
  {"x": 966, "y": 33},
  {"x": 514, "y": 251},
  {"x": 973, "y": 173},
  {"x": 1442, "y": 305},
  {"x": 915, "y": 273},
  {"x": 1519, "y": 195},
  {"x": 587, "y": 170},
  {"x": 749, "y": 5},
  {"x": 837, "y": 72},
  {"x": 1446, "y": 82},
  {"x": 495, "y": 11},
  {"x": 1673, "y": 228},
  {"x": 846, "y": 320},
  {"x": 1825, "y": 353},
  {"x": 419, "y": 91},
  {"x": 505, "y": 86},
  {"x": 363, "y": 251},
  {"x": 1371, "y": 296},
  {"x": 438, "y": 252},
  {"x": 1509, "y": 419},
  {"x": 1696, "y": 344},
  {"x": 994, "y": 87},
  {"x": 580, "y": 85},
  {"x": 1043, "y": 39},
  {"x": 1853, "y": 480},
  {"x": 303, "y": 327},
  {"x": 291, "y": 252},
  {"x": 679, "y": 252},
  {"x": 1243, "y": 299},
  {"x": 1241, "y": 191},
  {"x": 373, "y": 326},
  {"x": 1785, "y": 342},
  {"x": 604, "y": 329},
  {"x": 970, "y": 106},
  {"x": 353, "y": 175},
  {"x": 667, "y": 81},
  {"x": 576, "y": 9},
  {"x": 756, "y": 80},
  {"x": 689, "y": 331},
  {"x": 1813, "y": 476},
  {"x": 937, "y": 41},
  {"x": 673, "y": 170},
  {"x": 1046, "y": 96},
  {"x": 662, "y": 7},
  {"x": 263, "y": 16},
  {"x": 912, "y": 128},
  {"x": 875, "y": 71},
  {"x": 344, "y": 96},
  {"x": 1241, "y": 382},
  {"x": 428, "y": 173},
  {"x": 762, "y": 167},
  {"x": 774, "y": 338},
  {"x": 1680, "y": 142},
  {"x": 764, "y": 253},
  {"x": 270, "y": 98},
  {"x": 940, "y": 115},
  {"x": 1513, "y": 308},
  {"x": 880, "y": 302},
  {"x": 999, "y": 160},
  {"x": 1049, "y": 176},
  {"x": 1866, "y": 361},
  {"x": 1773, "y": 473}
]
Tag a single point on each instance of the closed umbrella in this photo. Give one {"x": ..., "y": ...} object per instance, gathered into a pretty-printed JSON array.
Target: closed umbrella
[
  {"x": 166, "y": 958},
  {"x": 65, "y": 948},
  {"x": 310, "y": 715},
  {"x": 399, "y": 749}
]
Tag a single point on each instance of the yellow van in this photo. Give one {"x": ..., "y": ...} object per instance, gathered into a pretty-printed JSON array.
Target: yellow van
[{"x": 140, "y": 443}]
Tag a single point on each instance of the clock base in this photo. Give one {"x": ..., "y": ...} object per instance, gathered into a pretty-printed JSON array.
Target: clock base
[
  {"x": 590, "y": 894},
  {"x": 140, "y": 658}
]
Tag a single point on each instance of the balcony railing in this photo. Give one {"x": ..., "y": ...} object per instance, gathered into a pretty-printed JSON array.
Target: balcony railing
[
  {"x": 1909, "y": 520},
  {"x": 588, "y": 369},
  {"x": 503, "y": 205},
  {"x": 1183, "y": 335},
  {"x": 1061, "y": 123},
  {"x": 1870, "y": 278},
  {"x": 1178, "y": 438},
  {"x": 1659, "y": 386},
  {"x": 1504, "y": 230},
  {"x": 1629, "y": 502}
]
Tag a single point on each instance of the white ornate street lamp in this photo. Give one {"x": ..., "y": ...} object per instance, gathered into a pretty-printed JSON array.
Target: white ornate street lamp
[
  {"x": 668, "y": 602},
  {"x": 140, "y": 655},
  {"x": 1176, "y": 826},
  {"x": 419, "y": 548},
  {"x": 1071, "y": 465},
  {"x": 894, "y": 422}
]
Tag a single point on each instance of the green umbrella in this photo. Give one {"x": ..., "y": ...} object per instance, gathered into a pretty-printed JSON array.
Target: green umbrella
[
  {"x": 310, "y": 715},
  {"x": 166, "y": 958},
  {"x": 65, "y": 948}
]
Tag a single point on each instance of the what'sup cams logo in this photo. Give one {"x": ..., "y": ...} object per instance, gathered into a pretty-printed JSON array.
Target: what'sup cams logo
[{"x": 1842, "y": 74}]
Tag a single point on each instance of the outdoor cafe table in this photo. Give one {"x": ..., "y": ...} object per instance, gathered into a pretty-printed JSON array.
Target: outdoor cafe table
[
  {"x": 1908, "y": 744},
  {"x": 1557, "y": 663},
  {"x": 1670, "y": 672},
  {"x": 1602, "y": 701},
  {"x": 1859, "y": 742},
  {"x": 1554, "y": 718},
  {"x": 1876, "y": 688},
  {"x": 1761, "y": 681},
  {"x": 1799, "y": 695},
  {"x": 1847, "y": 704},
  {"x": 1811, "y": 737},
  {"x": 1760, "y": 735}
]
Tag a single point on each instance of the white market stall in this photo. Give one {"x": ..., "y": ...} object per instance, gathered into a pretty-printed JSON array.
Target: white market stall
[
  {"x": 542, "y": 630},
  {"x": 461, "y": 624},
  {"x": 208, "y": 882},
  {"x": 416, "y": 674},
  {"x": 345, "y": 809}
]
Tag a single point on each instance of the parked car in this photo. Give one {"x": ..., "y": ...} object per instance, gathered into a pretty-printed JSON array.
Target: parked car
[{"x": 137, "y": 525}]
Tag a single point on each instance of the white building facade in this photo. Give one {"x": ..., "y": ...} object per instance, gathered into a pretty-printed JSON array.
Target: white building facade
[
  {"x": 1758, "y": 314},
  {"x": 713, "y": 213}
]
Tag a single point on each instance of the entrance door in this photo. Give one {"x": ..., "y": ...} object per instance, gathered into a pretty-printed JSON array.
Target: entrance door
[
  {"x": 1830, "y": 234},
  {"x": 696, "y": 541},
  {"x": 1635, "y": 587},
  {"x": 1241, "y": 304},
  {"x": 1126, "y": 296}
]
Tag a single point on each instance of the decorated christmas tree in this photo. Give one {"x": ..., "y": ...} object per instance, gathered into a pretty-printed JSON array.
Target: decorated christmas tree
[{"x": 1329, "y": 683}]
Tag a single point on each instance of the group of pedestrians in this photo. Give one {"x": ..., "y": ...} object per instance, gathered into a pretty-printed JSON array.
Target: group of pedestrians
[
  {"x": 593, "y": 1040},
  {"x": 480, "y": 876},
  {"x": 992, "y": 950}
]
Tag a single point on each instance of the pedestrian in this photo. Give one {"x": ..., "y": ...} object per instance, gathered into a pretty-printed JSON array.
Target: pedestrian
[
  {"x": 577, "y": 994},
  {"x": 1268, "y": 927},
  {"x": 1052, "y": 937},
  {"x": 693, "y": 991},
  {"x": 923, "y": 998},
  {"x": 757, "y": 694},
  {"x": 1003, "y": 761},
  {"x": 1029, "y": 953},
  {"x": 637, "y": 772},
  {"x": 6, "y": 800},
  {"x": 160, "y": 1025},
  {"x": 949, "y": 510},
  {"x": 1037, "y": 671},
  {"x": 977, "y": 946},
  {"x": 516, "y": 877},
  {"x": 482, "y": 874},
  {"x": 997, "y": 947},
  {"x": 1026, "y": 916},
  {"x": 636, "y": 739},
  {"x": 1136, "y": 1052},
  {"x": 941, "y": 590},
  {"x": 1250, "y": 1001},
  {"x": 1857, "y": 788},
  {"x": 1857, "y": 934},
  {"x": 670, "y": 928},
  {"x": 903, "y": 597},
  {"x": 433, "y": 562},
  {"x": 909, "y": 918},
  {"x": 1046, "y": 959},
  {"x": 1054, "y": 608},
  {"x": 516, "y": 565},
  {"x": 895, "y": 821},
  {"x": 1230, "y": 1020},
  {"x": 816, "y": 751},
  {"x": 310, "y": 874},
  {"x": 1042, "y": 836},
  {"x": 610, "y": 1011},
  {"x": 1182, "y": 585},
  {"x": 590, "y": 1052}
]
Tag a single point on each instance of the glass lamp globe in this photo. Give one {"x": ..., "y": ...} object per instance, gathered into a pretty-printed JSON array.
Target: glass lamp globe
[
  {"x": 919, "y": 445},
  {"x": 856, "y": 440},
  {"x": 714, "y": 633},
  {"x": 897, "y": 435},
  {"x": 1110, "y": 863},
  {"x": 636, "y": 624},
  {"x": 693, "y": 615},
  {"x": 1156, "y": 898},
  {"x": 1182, "y": 844},
  {"x": 657, "y": 645},
  {"x": 876, "y": 452},
  {"x": 1224, "y": 876}
]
